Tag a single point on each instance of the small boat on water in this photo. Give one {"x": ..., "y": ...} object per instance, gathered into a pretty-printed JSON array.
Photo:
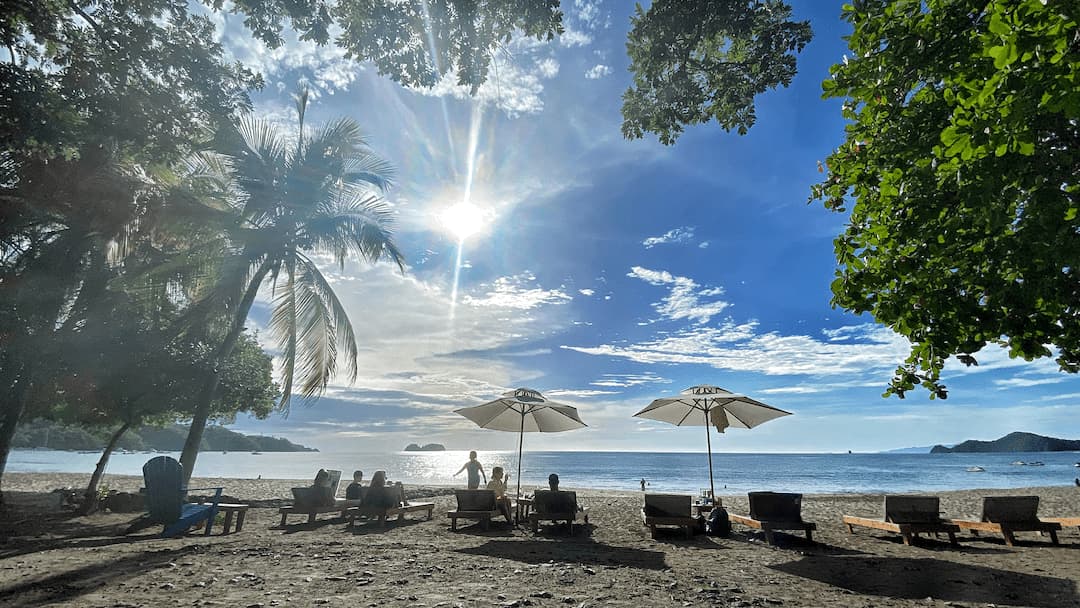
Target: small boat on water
[
  {"x": 1077, "y": 464},
  {"x": 1037, "y": 463},
  {"x": 256, "y": 453},
  {"x": 1019, "y": 463},
  {"x": 974, "y": 469}
]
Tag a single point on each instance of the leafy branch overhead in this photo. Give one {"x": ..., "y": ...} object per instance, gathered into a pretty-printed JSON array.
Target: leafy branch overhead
[
  {"x": 960, "y": 170},
  {"x": 706, "y": 60}
]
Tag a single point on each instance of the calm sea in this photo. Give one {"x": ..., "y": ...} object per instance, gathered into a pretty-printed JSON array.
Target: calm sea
[{"x": 681, "y": 472}]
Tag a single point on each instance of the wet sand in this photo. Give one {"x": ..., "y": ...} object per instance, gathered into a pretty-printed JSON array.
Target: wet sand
[{"x": 48, "y": 557}]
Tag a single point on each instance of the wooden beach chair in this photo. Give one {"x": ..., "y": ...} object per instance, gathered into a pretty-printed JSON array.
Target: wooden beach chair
[
  {"x": 1005, "y": 515},
  {"x": 668, "y": 510},
  {"x": 908, "y": 516},
  {"x": 165, "y": 494},
  {"x": 340, "y": 506},
  {"x": 476, "y": 504},
  {"x": 1066, "y": 522},
  {"x": 384, "y": 503},
  {"x": 555, "y": 506},
  {"x": 770, "y": 511}
]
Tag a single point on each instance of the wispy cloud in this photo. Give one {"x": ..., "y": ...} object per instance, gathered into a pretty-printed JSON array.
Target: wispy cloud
[
  {"x": 516, "y": 292},
  {"x": 682, "y": 234},
  {"x": 628, "y": 380},
  {"x": 597, "y": 72},
  {"x": 685, "y": 300}
]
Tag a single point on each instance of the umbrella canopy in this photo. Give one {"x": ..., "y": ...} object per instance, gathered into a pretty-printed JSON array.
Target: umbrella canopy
[
  {"x": 707, "y": 405},
  {"x": 521, "y": 411}
]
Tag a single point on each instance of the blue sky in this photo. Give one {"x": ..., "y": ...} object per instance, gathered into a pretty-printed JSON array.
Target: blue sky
[{"x": 607, "y": 273}]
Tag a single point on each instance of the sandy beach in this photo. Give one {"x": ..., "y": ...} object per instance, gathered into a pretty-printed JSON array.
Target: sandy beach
[{"x": 49, "y": 557}]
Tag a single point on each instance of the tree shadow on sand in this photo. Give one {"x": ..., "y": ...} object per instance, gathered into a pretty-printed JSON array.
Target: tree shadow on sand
[
  {"x": 67, "y": 585},
  {"x": 569, "y": 550},
  {"x": 68, "y": 531},
  {"x": 916, "y": 579}
]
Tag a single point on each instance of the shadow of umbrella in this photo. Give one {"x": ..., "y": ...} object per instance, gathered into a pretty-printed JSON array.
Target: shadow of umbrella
[
  {"x": 568, "y": 550},
  {"x": 917, "y": 579}
]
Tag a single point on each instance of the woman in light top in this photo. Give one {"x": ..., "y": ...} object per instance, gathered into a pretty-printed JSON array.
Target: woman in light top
[
  {"x": 498, "y": 485},
  {"x": 475, "y": 470}
]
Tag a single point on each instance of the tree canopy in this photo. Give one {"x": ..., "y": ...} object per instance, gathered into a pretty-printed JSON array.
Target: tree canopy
[
  {"x": 960, "y": 169},
  {"x": 706, "y": 60}
]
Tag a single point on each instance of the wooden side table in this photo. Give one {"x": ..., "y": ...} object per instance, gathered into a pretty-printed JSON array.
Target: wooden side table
[{"x": 230, "y": 511}]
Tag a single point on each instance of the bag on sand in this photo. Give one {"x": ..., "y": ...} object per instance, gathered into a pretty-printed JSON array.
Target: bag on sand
[{"x": 718, "y": 523}]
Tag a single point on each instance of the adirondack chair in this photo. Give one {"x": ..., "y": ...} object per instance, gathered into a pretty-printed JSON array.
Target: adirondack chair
[
  {"x": 771, "y": 511},
  {"x": 165, "y": 494},
  {"x": 475, "y": 504}
]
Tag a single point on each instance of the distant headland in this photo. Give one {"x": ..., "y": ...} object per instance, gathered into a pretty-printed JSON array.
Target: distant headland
[
  {"x": 55, "y": 436},
  {"x": 1013, "y": 442},
  {"x": 427, "y": 447}
]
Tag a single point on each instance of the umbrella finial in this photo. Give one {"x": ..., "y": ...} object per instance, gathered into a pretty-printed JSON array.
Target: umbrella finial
[{"x": 525, "y": 394}]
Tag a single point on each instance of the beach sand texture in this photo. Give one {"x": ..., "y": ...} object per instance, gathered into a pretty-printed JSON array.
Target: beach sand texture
[{"x": 48, "y": 558}]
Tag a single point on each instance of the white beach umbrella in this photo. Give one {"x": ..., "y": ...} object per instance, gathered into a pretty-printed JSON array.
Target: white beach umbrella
[
  {"x": 707, "y": 405},
  {"x": 521, "y": 411}
]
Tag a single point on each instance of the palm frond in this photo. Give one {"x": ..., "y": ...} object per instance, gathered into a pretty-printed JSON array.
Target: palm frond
[
  {"x": 368, "y": 167},
  {"x": 357, "y": 221},
  {"x": 283, "y": 324},
  {"x": 336, "y": 315}
]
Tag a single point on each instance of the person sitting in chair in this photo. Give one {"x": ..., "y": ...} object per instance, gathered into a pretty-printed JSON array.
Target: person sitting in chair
[
  {"x": 498, "y": 485},
  {"x": 553, "y": 482},
  {"x": 318, "y": 494},
  {"x": 356, "y": 489},
  {"x": 384, "y": 496}
]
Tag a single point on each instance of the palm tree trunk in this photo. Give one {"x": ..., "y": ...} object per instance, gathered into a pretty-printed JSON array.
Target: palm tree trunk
[
  {"x": 12, "y": 412},
  {"x": 208, "y": 393},
  {"x": 90, "y": 497}
]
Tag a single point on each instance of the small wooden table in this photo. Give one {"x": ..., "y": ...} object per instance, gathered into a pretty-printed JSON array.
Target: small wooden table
[
  {"x": 231, "y": 510},
  {"x": 524, "y": 505},
  {"x": 703, "y": 508}
]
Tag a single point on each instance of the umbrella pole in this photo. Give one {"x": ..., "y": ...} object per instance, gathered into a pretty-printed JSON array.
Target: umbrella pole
[
  {"x": 708, "y": 444},
  {"x": 521, "y": 440}
]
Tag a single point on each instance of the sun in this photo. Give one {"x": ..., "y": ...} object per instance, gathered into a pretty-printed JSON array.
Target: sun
[{"x": 464, "y": 220}]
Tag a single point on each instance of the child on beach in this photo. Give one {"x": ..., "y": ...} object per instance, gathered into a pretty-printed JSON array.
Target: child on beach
[
  {"x": 498, "y": 485},
  {"x": 355, "y": 491},
  {"x": 475, "y": 470}
]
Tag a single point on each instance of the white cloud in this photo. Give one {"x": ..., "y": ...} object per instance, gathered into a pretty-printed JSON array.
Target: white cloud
[
  {"x": 516, "y": 292},
  {"x": 740, "y": 348},
  {"x": 683, "y": 234},
  {"x": 597, "y": 71},
  {"x": 586, "y": 292},
  {"x": 578, "y": 393},
  {"x": 549, "y": 67},
  {"x": 627, "y": 380},
  {"x": 1026, "y": 382},
  {"x": 684, "y": 300}
]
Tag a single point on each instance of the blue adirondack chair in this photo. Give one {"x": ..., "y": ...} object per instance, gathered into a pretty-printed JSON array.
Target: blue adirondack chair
[{"x": 165, "y": 493}]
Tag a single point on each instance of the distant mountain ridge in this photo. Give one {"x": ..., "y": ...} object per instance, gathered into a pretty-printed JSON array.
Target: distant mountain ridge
[
  {"x": 51, "y": 435},
  {"x": 1013, "y": 442}
]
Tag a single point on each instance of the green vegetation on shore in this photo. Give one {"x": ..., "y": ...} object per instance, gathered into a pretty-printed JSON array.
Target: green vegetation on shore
[
  {"x": 1013, "y": 442},
  {"x": 46, "y": 434}
]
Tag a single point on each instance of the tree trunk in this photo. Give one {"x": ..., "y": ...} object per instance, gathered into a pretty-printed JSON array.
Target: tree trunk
[
  {"x": 205, "y": 403},
  {"x": 12, "y": 413},
  {"x": 90, "y": 497}
]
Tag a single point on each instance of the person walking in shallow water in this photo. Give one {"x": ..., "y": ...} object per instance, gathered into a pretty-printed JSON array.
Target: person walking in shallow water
[
  {"x": 474, "y": 470},
  {"x": 643, "y": 484}
]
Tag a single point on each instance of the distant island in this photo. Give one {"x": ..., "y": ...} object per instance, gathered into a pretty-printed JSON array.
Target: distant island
[
  {"x": 427, "y": 447},
  {"x": 1013, "y": 442},
  {"x": 55, "y": 436}
]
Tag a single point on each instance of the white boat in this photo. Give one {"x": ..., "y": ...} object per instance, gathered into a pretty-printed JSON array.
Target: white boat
[
  {"x": 974, "y": 469},
  {"x": 1077, "y": 464},
  {"x": 1019, "y": 463}
]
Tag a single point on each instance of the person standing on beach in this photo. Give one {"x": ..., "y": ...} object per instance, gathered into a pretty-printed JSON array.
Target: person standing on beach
[
  {"x": 475, "y": 470},
  {"x": 643, "y": 484}
]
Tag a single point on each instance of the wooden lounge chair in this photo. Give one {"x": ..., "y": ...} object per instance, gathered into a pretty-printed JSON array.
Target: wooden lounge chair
[
  {"x": 340, "y": 505},
  {"x": 668, "y": 510},
  {"x": 771, "y": 511},
  {"x": 383, "y": 503},
  {"x": 908, "y": 516},
  {"x": 165, "y": 494},
  {"x": 1066, "y": 522},
  {"x": 555, "y": 506},
  {"x": 476, "y": 504},
  {"x": 1005, "y": 515}
]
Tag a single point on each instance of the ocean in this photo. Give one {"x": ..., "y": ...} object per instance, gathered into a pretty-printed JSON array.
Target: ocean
[{"x": 665, "y": 472}]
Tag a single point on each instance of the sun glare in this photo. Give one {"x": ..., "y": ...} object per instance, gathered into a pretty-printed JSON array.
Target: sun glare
[{"x": 463, "y": 220}]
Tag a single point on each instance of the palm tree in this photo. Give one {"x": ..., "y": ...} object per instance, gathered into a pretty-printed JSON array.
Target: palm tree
[{"x": 290, "y": 199}]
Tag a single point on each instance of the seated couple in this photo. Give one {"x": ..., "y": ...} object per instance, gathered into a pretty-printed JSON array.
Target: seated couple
[{"x": 377, "y": 493}]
